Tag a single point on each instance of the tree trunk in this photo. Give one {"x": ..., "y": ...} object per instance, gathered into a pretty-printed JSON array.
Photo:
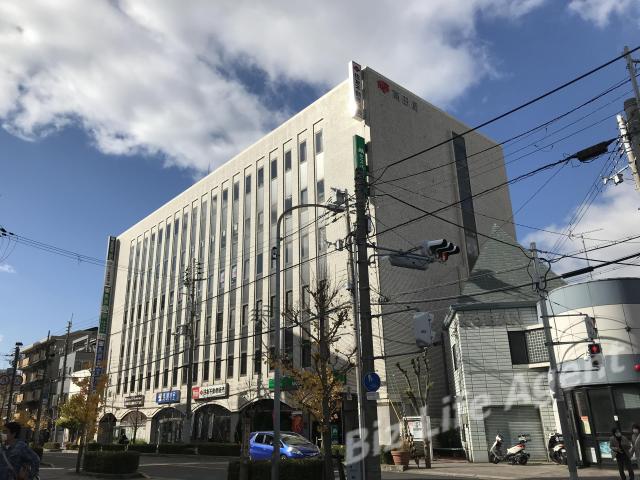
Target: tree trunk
[
  {"x": 426, "y": 444},
  {"x": 80, "y": 450},
  {"x": 326, "y": 441}
]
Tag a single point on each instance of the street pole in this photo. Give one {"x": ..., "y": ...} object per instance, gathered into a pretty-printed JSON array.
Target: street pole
[
  {"x": 370, "y": 407},
  {"x": 64, "y": 377},
  {"x": 16, "y": 356},
  {"x": 556, "y": 389},
  {"x": 36, "y": 433},
  {"x": 630, "y": 131},
  {"x": 277, "y": 390},
  {"x": 190, "y": 282},
  {"x": 356, "y": 325}
]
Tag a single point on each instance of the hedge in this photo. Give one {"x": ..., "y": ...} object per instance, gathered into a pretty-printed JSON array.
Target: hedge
[
  {"x": 111, "y": 462},
  {"x": 221, "y": 449},
  {"x": 289, "y": 470},
  {"x": 142, "y": 448},
  {"x": 179, "y": 448},
  {"x": 93, "y": 447},
  {"x": 71, "y": 446},
  {"x": 52, "y": 446},
  {"x": 112, "y": 447}
]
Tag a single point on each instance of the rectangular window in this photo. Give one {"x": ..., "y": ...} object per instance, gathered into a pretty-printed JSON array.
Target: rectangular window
[
  {"x": 260, "y": 177},
  {"x": 319, "y": 142},
  {"x": 165, "y": 378},
  {"x": 287, "y": 160},
  {"x": 455, "y": 353},
  {"x": 274, "y": 168},
  {"x": 205, "y": 371},
  {"x": 243, "y": 363},
  {"x": 518, "y": 347},
  {"x": 218, "y": 368},
  {"x": 230, "y": 366},
  {"x": 302, "y": 151},
  {"x": 174, "y": 377}
]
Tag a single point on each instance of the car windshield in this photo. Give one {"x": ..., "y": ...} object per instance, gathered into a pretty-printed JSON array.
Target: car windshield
[{"x": 295, "y": 440}]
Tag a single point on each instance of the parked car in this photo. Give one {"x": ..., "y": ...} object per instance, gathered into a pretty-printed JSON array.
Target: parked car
[{"x": 292, "y": 445}]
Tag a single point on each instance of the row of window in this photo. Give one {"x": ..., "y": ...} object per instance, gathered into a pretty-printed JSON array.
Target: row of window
[{"x": 152, "y": 352}]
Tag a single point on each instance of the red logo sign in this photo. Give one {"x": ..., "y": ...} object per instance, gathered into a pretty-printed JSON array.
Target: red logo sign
[
  {"x": 384, "y": 86},
  {"x": 195, "y": 393}
]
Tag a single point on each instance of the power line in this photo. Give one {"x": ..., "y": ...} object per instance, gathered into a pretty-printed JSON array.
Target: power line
[{"x": 512, "y": 111}]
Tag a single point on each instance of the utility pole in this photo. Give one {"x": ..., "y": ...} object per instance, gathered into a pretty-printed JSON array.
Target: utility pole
[
  {"x": 630, "y": 132},
  {"x": 370, "y": 407},
  {"x": 556, "y": 389},
  {"x": 356, "y": 322},
  {"x": 64, "y": 377},
  {"x": 36, "y": 433},
  {"x": 16, "y": 356},
  {"x": 191, "y": 277}
]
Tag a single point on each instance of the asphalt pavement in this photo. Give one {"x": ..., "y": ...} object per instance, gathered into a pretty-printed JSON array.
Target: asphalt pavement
[{"x": 185, "y": 467}]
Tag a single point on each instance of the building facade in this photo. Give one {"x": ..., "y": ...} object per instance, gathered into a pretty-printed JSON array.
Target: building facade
[
  {"x": 45, "y": 386},
  {"x": 499, "y": 362},
  {"x": 601, "y": 390},
  {"x": 226, "y": 222}
]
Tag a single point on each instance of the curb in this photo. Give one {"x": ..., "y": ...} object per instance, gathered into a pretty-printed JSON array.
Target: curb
[{"x": 112, "y": 475}]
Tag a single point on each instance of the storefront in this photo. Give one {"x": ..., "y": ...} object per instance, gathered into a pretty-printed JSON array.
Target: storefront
[
  {"x": 601, "y": 385},
  {"x": 596, "y": 410},
  {"x": 166, "y": 424}
]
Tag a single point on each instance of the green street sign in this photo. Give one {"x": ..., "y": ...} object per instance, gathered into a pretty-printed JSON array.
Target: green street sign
[
  {"x": 286, "y": 383},
  {"x": 359, "y": 152}
]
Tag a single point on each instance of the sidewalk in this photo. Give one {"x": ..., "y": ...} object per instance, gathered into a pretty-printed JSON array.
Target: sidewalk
[{"x": 487, "y": 471}]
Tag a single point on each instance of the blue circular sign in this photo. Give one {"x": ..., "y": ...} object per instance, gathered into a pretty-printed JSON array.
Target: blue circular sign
[{"x": 372, "y": 382}]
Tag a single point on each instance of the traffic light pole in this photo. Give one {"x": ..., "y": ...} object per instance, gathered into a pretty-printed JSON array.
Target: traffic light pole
[
  {"x": 369, "y": 407},
  {"x": 16, "y": 356},
  {"x": 556, "y": 389}
]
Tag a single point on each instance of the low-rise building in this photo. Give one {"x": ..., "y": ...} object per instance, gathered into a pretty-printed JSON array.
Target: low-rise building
[{"x": 499, "y": 360}]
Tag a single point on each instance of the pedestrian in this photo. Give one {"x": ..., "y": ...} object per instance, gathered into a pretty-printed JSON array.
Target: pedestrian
[
  {"x": 19, "y": 462},
  {"x": 635, "y": 442},
  {"x": 123, "y": 440},
  {"x": 621, "y": 448}
]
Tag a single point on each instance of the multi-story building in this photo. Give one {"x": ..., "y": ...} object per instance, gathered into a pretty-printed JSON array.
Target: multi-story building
[
  {"x": 42, "y": 363},
  {"x": 227, "y": 221}
]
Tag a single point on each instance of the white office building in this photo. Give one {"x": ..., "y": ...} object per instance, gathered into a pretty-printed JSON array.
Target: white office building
[{"x": 227, "y": 222}]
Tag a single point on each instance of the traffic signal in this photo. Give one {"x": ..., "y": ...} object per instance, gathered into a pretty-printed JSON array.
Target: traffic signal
[
  {"x": 441, "y": 249},
  {"x": 594, "y": 350}
]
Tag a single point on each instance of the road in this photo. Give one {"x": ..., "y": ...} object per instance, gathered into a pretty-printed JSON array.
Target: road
[
  {"x": 164, "y": 467},
  {"x": 182, "y": 467}
]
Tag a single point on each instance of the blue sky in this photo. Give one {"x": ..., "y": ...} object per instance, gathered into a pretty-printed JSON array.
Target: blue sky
[{"x": 108, "y": 113}]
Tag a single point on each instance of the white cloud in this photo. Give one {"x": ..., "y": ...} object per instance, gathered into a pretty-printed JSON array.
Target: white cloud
[
  {"x": 161, "y": 77},
  {"x": 614, "y": 216},
  {"x": 6, "y": 268},
  {"x": 601, "y": 11}
]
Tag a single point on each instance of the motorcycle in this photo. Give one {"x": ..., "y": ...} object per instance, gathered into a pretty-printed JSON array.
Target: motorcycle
[
  {"x": 516, "y": 455},
  {"x": 557, "y": 450}
]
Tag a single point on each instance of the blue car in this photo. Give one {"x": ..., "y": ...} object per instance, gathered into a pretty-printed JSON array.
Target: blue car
[{"x": 292, "y": 445}]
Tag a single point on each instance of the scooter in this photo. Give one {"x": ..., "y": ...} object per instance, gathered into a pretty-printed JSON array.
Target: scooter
[
  {"x": 516, "y": 455},
  {"x": 557, "y": 450}
]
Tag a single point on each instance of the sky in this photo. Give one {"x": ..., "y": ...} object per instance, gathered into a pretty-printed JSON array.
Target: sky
[{"x": 109, "y": 109}]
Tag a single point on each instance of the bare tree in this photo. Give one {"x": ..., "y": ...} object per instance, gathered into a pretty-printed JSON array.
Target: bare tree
[
  {"x": 324, "y": 317},
  {"x": 418, "y": 395}
]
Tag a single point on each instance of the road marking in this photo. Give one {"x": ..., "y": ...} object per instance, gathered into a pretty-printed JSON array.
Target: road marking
[{"x": 180, "y": 464}]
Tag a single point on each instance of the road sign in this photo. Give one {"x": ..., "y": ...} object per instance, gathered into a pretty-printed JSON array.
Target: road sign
[
  {"x": 4, "y": 380},
  {"x": 372, "y": 382}
]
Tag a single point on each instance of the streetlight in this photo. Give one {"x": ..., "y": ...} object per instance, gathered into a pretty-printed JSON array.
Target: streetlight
[{"x": 275, "y": 459}]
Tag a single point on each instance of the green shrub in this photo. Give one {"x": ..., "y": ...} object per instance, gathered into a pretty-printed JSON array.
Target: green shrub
[
  {"x": 338, "y": 450},
  {"x": 112, "y": 447},
  {"x": 71, "y": 446},
  {"x": 221, "y": 449},
  {"x": 93, "y": 447},
  {"x": 177, "y": 448},
  {"x": 142, "y": 448},
  {"x": 310, "y": 469},
  {"x": 138, "y": 442},
  {"x": 385, "y": 455},
  {"x": 52, "y": 446},
  {"x": 111, "y": 462}
]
